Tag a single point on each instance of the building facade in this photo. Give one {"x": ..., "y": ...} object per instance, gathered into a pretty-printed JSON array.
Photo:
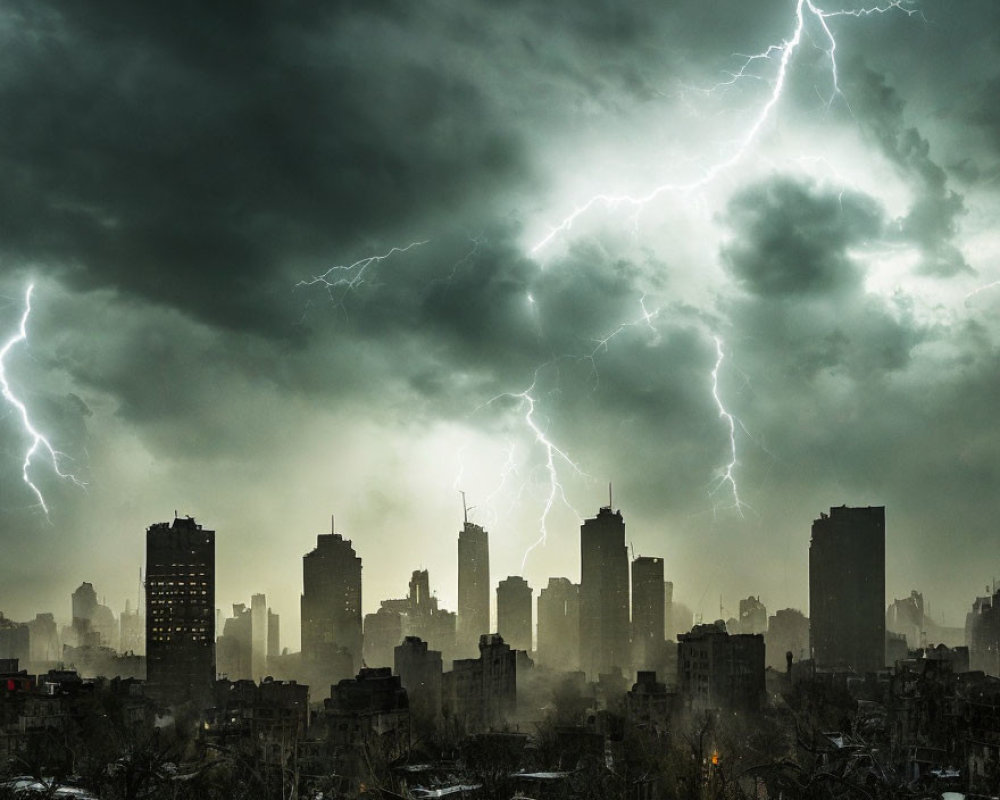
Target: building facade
[
  {"x": 847, "y": 589},
  {"x": 180, "y": 604},
  {"x": 559, "y": 624}
]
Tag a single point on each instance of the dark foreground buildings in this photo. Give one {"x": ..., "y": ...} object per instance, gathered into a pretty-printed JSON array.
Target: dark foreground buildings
[
  {"x": 847, "y": 589},
  {"x": 180, "y": 608}
]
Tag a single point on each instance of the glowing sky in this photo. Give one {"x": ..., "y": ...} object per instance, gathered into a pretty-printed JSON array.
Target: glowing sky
[{"x": 174, "y": 179}]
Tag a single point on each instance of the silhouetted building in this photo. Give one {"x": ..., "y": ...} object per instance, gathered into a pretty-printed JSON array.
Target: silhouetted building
[
  {"x": 420, "y": 671},
  {"x": 258, "y": 637},
  {"x": 559, "y": 624},
  {"x": 847, "y": 589},
  {"x": 649, "y": 706},
  {"x": 753, "y": 616},
  {"x": 84, "y": 601},
  {"x": 233, "y": 649},
  {"x": 717, "y": 670},
  {"x": 273, "y": 634},
  {"x": 480, "y": 693},
  {"x": 787, "y": 632},
  {"x": 45, "y": 645},
  {"x": 982, "y": 634},
  {"x": 648, "y": 611},
  {"x": 331, "y": 609},
  {"x": 15, "y": 640},
  {"x": 514, "y": 612},
  {"x": 604, "y": 601},
  {"x": 180, "y": 600},
  {"x": 383, "y": 632},
  {"x": 473, "y": 586}
]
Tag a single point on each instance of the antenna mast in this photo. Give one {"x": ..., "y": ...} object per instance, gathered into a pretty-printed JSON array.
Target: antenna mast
[{"x": 465, "y": 508}]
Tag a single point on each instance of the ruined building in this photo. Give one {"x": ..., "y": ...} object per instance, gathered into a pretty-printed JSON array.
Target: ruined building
[{"x": 716, "y": 670}]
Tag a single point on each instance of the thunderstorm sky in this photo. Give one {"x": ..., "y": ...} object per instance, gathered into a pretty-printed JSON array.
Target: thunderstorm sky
[{"x": 175, "y": 176}]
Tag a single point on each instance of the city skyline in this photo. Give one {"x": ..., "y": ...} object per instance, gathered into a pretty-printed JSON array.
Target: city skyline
[{"x": 291, "y": 263}]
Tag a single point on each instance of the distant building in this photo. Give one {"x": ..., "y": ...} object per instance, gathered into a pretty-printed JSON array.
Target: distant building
[
  {"x": 481, "y": 693},
  {"x": 719, "y": 670},
  {"x": 648, "y": 613},
  {"x": 258, "y": 637},
  {"x": 15, "y": 640},
  {"x": 420, "y": 673},
  {"x": 132, "y": 631},
  {"x": 847, "y": 589},
  {"x": 787, "y": 632},
  {"x": 233, "y": 647},
  {"x": 604, "y": 597},
  {"x": 45, "y": 645},
  {"x": 514, "y": 598},
  {"x": 982, "y": 634},
  {"x": 331, "y": 609},
  {"x": 473, "y": 587},
  {"x": 649, "y": 706},
  {"x": 559, "y": 624},
  {"x": 180, "y": 599},
  {"x": 753, "y": 616}
]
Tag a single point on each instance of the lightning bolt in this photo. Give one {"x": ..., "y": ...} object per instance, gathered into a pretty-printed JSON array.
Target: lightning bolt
[
  {"x": 340, "y": 280},
  {"x": 38, "y": 440},
  {"x": 783, "y": 53},
  {"x": 727, "y": 476},
  {"x": 553, "y": 453}
]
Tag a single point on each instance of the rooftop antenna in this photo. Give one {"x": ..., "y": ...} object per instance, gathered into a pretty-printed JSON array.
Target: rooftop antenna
[
  {"x": 610, "y": 503},
  {"x": 465, "y": 508},
  {"x": 333, "y": 527},
  {"x": 632, "y": 546}
]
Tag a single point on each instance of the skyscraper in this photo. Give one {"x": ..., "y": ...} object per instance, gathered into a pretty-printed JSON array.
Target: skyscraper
[
  {"x": 331, "y": 609},
  {"x": 180, "y": 603},
  {"x": 559, "y": 624},
  {"x": 514, "y": 612},
  {"x": 473, "y": 587},
  {"x": 847, "y": 589},
  {"x": 648, "y": 607},
  {"x": 258, "y": 636},
  {"x": 604, "y": 617}
]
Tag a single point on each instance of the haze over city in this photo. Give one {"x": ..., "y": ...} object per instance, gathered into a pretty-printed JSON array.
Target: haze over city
[{"x": 816, "y": 281}]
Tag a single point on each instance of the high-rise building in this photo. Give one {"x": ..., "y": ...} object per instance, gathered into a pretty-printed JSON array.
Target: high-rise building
[
  {"x": 718, "y": 670},
  {"x": 648, "y": 611},
  {"x": 847, "y": 589},
  {"x": 559, "y": 624},
  {"x": 331, "y": 609},
  {"x": 604, "y": 617},
  {"x": 514, "y": 612},
  {"x": 787, "y": 632},
  {"x": 180, "y": 602},
  {"x": 473, "y": 587},
  {"x": 258, "y": 637}
]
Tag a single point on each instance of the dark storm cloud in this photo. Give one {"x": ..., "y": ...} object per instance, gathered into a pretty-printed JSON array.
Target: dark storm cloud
[
  {"x": 193, "y": 157},
  {"x": 791, "y": 238}
]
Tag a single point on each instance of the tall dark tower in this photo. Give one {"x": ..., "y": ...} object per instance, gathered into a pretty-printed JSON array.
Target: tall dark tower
[
  {"x": 331, "y": 610},
  {"x": 514, "y": 612},
  {"x": 847, "y": 589},
  {"x": 648, "y": 607},
  {"x": 473, "y": 588},
  {"x": 604, "y": 621},
  {"x": 180, "y": 611}
]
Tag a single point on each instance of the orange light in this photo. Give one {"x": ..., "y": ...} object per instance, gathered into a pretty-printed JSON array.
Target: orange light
[{"x": 715, "y": 758}]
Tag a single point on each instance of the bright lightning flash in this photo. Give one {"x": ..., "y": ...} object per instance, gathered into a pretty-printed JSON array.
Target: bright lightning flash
[
  {"x": 783, "y": 53},
  {"x": 38, "y": 440},
  {"x": 728, "y": 475}
]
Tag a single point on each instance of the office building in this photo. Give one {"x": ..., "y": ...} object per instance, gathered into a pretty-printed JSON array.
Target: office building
[
  {"x": 559, "y": 624},
  {"x": 180, "y": 603},
  {"x": 331, "y": 610},
  {"x": 648, "y": 612},
  {"x": 514, "y": 598},
  {"x": 604, "y": 600},
  {"x": 473, "y": 587},
  {"x": 847, "y": 589}
]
